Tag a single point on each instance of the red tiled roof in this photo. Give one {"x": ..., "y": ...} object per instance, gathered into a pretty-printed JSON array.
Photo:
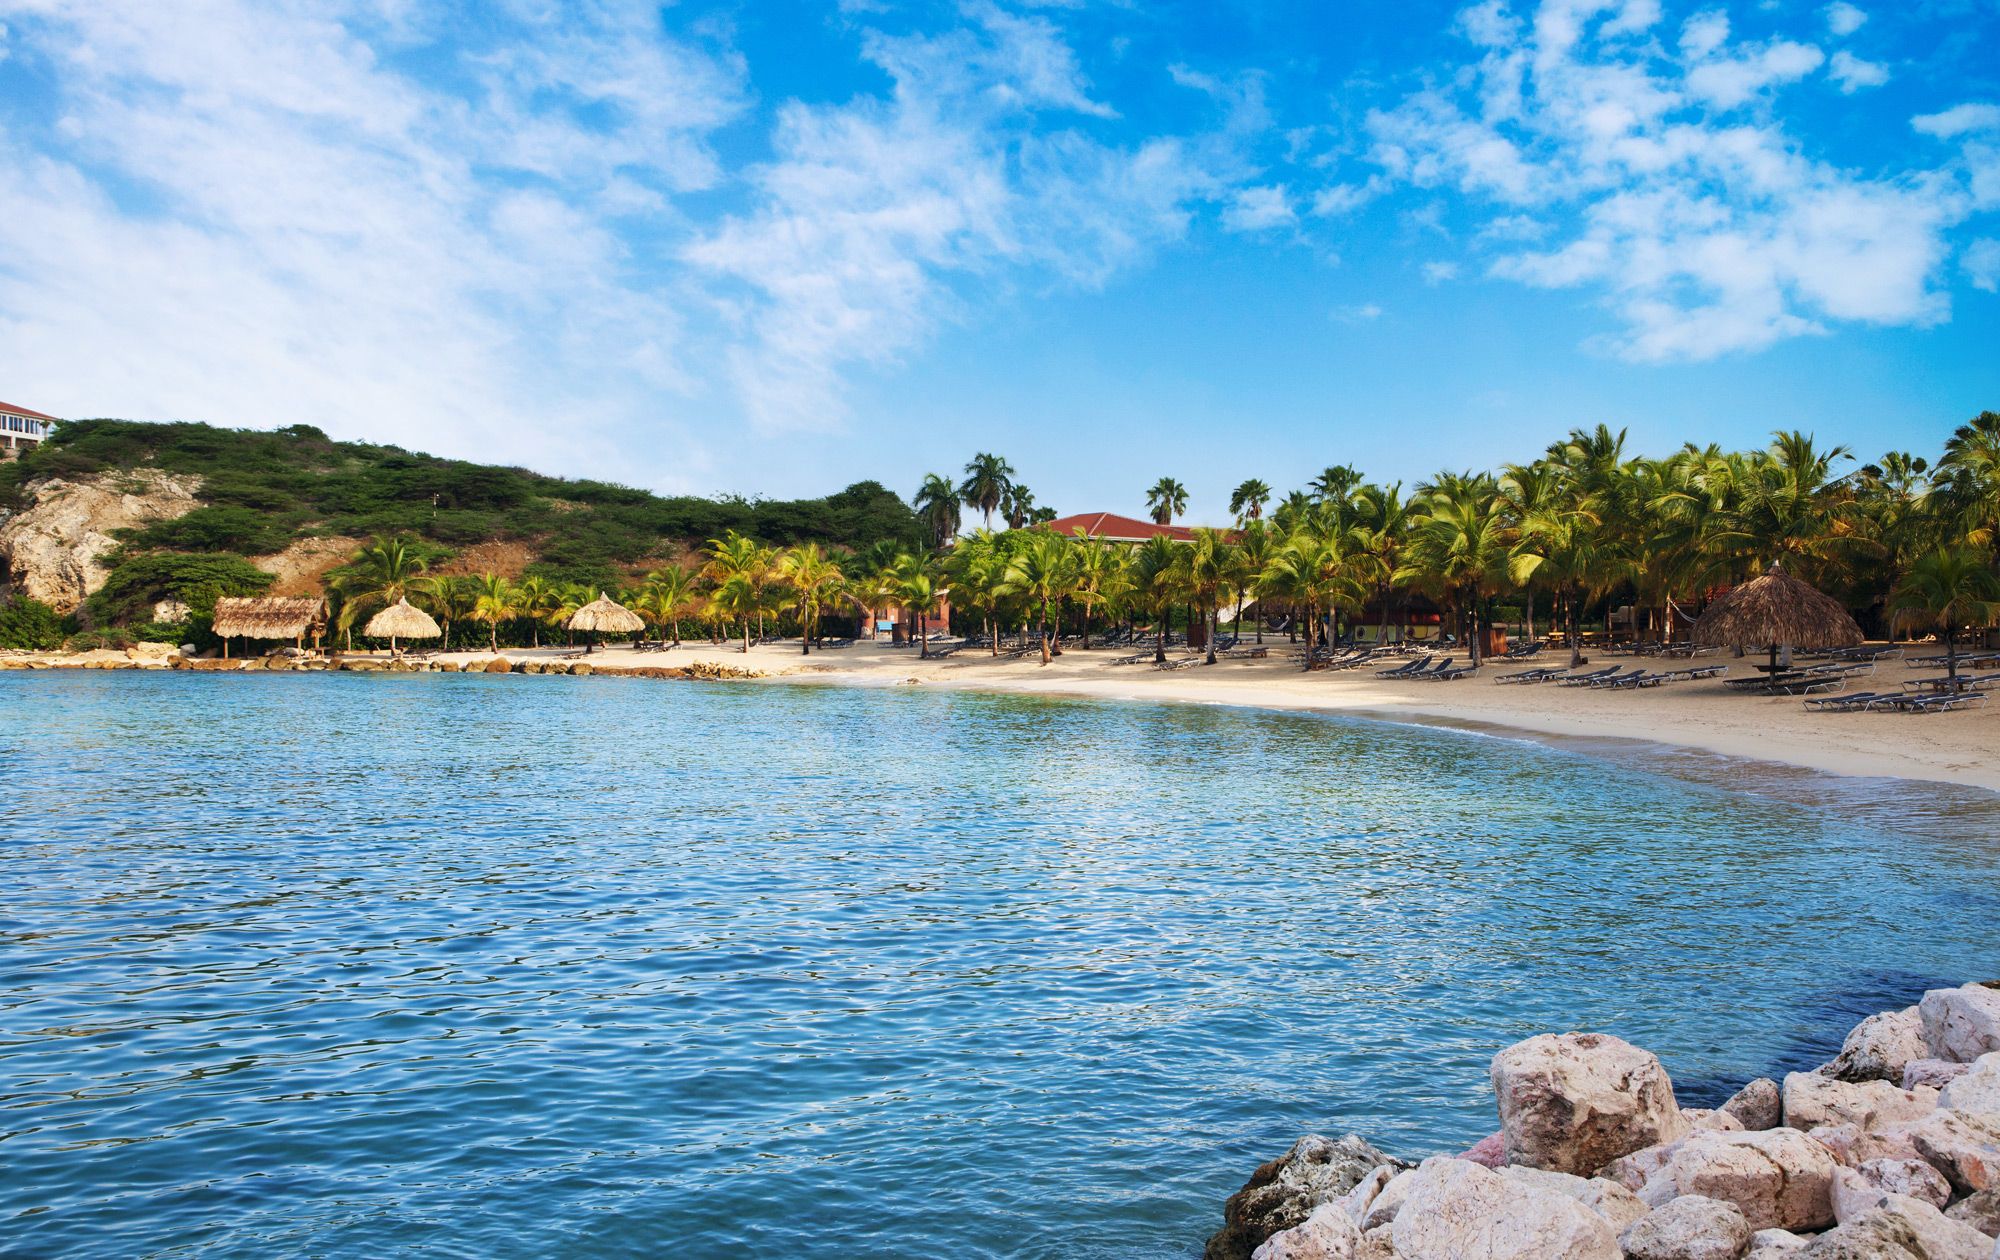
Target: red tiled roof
[
  {"x": 1116, "y": 528},
  {"x": 12, "y": 410}
]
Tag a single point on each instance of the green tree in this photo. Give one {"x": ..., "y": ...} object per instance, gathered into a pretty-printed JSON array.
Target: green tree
[
  {"x": 494, "y": 600},
  {"x": 1246, "y": 501},
  {"x": 1041, "y": 571},
  {"x": 987, "y": 478},
  {"x": 1948, "y": 588},
  {"x": 937, "y": 502},
  {"x": 814, "y": 580},
  {"x": 1165, "y": 500}
]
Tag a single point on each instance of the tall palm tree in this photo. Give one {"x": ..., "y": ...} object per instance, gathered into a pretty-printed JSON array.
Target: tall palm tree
[
  {"x": 535, "y": 601},
  {"x": 493, "y": 601},
  {"x": 666, "y": 595},
  {"x": 1017, "y": 508},
  {"x": 1569, "y": 550},
  {"x": 918, "y": 589},
  {"x": 448, "y": 598},
  {"x": 937, "y": 502},
  {"x": 1156, "y": 584},
  {"x": 1166, "y": 500},
  {"x": 1311, "y": 571},
  {"x": 380, "y": 573},
  {"x": 815, "y": 579},
  {"x": 1459, "y": 547},
  {"x": 1969, "y": 481},
  {"x": 985, "y": 486},
  {"x": 1948, "y": 588},
  {"x": 1206, "y": 565},
  {"x": 1041, "y": 571},
  {"x": 1246, "y": 501},
  {"x": 1334, "y": 484},
  {"x": 738, "y": 596}
]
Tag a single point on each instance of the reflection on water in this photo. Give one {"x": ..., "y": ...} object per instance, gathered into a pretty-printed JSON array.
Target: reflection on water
[{"x": 517, "y": 966}]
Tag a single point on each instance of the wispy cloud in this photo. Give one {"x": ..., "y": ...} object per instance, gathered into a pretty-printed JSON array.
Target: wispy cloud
[{"x": 1672, "y": 189}]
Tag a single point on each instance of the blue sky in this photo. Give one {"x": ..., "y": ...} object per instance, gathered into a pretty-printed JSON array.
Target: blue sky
[{"x": 774, "y": 248}]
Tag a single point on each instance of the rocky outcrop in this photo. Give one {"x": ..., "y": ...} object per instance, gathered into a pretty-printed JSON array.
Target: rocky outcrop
[
  {"x": 53, "y": 549},
  {"x": 1576, "y": 1102},
  {"x": 1283, "y": 1193},
  {"x": 1880, "y": 1047},
  {"x": 301, "y": 568},
  {"x": 1961, "y": 1024},
  {"x": 1850, "y": 1163}
]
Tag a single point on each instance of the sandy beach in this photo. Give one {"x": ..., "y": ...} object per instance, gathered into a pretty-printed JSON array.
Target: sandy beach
[{"x": 1954, "y": 747}]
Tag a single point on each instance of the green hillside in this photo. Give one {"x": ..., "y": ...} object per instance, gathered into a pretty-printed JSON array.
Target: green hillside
[{"x": 264, "y": 490}]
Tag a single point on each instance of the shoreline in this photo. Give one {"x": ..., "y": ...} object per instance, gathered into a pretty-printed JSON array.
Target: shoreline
[{"x": 1686, "y": 722}]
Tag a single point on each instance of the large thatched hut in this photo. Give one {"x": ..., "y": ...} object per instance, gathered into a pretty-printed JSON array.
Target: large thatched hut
[
  {"x": 401, "y": 620},
  {"x": 269, "y": 617},
  {"x": 1773, "y": 611},
  {"x": 605, "y": 615}
]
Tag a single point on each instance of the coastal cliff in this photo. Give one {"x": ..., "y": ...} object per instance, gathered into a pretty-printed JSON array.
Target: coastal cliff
[
  {"x": 54, "y": 548},
  {"x": 1889, "y": 1152}
]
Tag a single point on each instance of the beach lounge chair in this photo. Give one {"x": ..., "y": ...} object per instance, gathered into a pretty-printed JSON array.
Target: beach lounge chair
[
  {"x": 1943, "y": 703},
  {"x": 1452, "y": 674},
  {"x": 1850, "y": 702},
  {"x": 1592, "y": 678},
  {"x": 1404, "y": 671},
  {"x": 1533, "y": 675}
]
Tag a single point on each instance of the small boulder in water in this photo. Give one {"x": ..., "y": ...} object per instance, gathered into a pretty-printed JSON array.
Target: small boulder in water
[
  {"x": 1281, "y": 1194},
  {"x": 1573, "y": 1103}
]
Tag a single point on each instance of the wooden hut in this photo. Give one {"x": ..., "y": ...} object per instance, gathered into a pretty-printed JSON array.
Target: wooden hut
[{"x": 269, "y": 617}]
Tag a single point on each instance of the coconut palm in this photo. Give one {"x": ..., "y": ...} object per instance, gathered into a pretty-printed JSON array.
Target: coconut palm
[
  {"x": 448, "y": 598},
  {"x": 918, "y": 588},
  {"x": 1570, "y": 550},
  {"x": 536, "y": 600},
  {"x": 1100, "y": 577},
  {"x": 738, "y": 596},
  {"x": 1017, "y": 508},
  {"x": 667, "y": 593},
  {"x": 1948, "y": 588},
  {"x": 1166, "y": 500},
  {"x": 494, "y": 600},
  {"x": 1312, "y": 573},
  {"x": 381, "y": 573},
  {"x": 1335, "y": 484},
  {"x": 815, "y": 580},
  {"x": 1246, "y": 501},
  {"x": 1155, "y": 581},
  {"x": 1206, "y": 568},
  {"x": 987, "y": 478},
  {"x": 1458, "y": 547},
  {"x": 1041, "y": 571},
  {"x": 1969, "y": 481},
  {"x": 937, "y": 503}
]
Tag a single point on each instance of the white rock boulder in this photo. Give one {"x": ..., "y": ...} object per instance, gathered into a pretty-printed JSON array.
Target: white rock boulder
[
  {"x": 1813, "y": 1101},
  {"x": 1774, "y": 1244},
  {"x": 1456, "y": 1210},
  {"x": 1688, "y": 1228},
  {"x": 1779, "y": 1178},
  {"x": 1961, "y": 1024},
  {"x": 1880, "y": 1047},
  {"x": 1977, "y": 1089},
  {"x": 1575, "y": 1102},
  {"x": 1328, "y": 1234},
  {"x": 1965, "y": 1147},
  {"x": 1759, "y": 1105},
  {"x": 1608, "y": 1199}
]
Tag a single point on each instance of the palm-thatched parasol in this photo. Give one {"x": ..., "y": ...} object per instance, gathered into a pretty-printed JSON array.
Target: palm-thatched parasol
[
  {"x": 401, "y": 620},
  {"x": 1773, "y": 610},
  {"x": 605, "y": 614}
]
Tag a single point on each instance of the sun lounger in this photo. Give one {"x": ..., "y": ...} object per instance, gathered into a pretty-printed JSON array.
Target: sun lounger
[
  {"x": 1592, "y": 678},
  {"x": 1404, "y": 671},
  {"x": 1851, "y": 701},
  {"x": 1533, "y": 675},
  {"x": 1184, "y": 662},
  {"x": 1451, "y": 675}
]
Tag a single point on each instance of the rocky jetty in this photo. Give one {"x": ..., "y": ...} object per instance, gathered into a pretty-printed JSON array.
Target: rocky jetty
[{"x": 1889, "y": 1152}]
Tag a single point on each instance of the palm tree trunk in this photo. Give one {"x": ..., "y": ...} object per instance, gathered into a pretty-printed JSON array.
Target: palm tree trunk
[
  {"x": 923, "y": 638},
  {"x": 1160, "y": 640},
  {"x": 1214, "y": 623}
]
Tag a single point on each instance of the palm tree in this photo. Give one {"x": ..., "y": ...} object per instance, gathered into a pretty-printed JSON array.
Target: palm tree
[
  {"x": 380, "y": 573},
  {"x": 536, "y": 600},
  {"x": 1948, "y": 587},
  {"x": 1311, "y": 572},
  {"x": 1100, "y": 577},
  {"x": 1334, "y": 484},
  {"x": 1155, "y": 584},
  {"x": 1246, "y": 502},
  {"x": 918, "y": 589},
  {"x": 814, "y": 579},
  {"x": 987, "y": 478},
  {"x": 937, "y": 502},
  {"x": 1969, "y": 481},
  {"x": 737, "y": 596},
  {"x": 494, "y": 600},
  {"x": 1255, "y": 544},
  {"x": 1041, "y": 571},
  {"x": 1166, "y": 500},
  {"x": 665, "y": 596},
  {"x": 1205, "y": 568},
  {"x": 449, "y": 599},
  {"x": 977, "y": 569},
  {"x": 1459, "y": 547},
  {"x": 1568, "y": 549},
  {"x": 1018, "y": 507}
]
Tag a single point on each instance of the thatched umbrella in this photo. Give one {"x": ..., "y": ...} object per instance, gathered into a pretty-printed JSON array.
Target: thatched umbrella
[
  {"x": 1773, "y": 610},
  {"x": 401, "y": 620},
  {"x": 602, "y": 614}
]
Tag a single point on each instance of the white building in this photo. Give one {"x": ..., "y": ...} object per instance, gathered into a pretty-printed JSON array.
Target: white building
[{"x": 21, "y": 429}]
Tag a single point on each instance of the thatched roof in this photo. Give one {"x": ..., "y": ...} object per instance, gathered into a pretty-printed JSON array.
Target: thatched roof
[
  {"x": 1776, "y": 609},
  {"x": 267, "y": 618},
  {"x": 605, "y": 614},
  {"x": 401, "y": 620}
]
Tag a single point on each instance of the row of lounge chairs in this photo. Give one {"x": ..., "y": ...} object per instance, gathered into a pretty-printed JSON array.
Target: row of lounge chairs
[
  {"x": 1896, "y": 701},
  {"x": 1430, "y": 669},
  {"x": 1613, "y": 676},
  {"x": 1808, "y": 680}
]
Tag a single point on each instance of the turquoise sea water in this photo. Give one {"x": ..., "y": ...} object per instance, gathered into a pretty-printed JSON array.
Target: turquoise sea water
[{"x": 516, "y": 966}]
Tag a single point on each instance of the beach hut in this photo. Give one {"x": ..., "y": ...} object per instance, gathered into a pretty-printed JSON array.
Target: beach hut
[
  {"x": 1773, "y": 611},
  {"x": 401, "y": 620},
  {"x": 605, "y": 614},
  {"x": 269, "y": 617}
]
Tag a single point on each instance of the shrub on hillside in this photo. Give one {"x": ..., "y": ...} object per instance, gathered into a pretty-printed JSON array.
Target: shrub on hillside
[
  {"x": 29, "y": 623},
  {"x": 198, "y": 581}
]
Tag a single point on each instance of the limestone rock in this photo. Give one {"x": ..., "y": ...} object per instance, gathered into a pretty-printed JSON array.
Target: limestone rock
[
  {"x": 1876, "y": 1236},
  {"x": 1759, "y": 1105},
  {"x": 1880, "y": 1047},
  {"x": 1457, "y": 1209},
  {"x": 1964, "y": 1147},
  {"x": 1282, "y": 1193},
  {"x": 1977, "y": 1089},
  {"x": 1773, "y": 1244},
  {"x": 1936, "y": 1073},
  {"x": 1961, "y": 1024},
  {"x": 1488, "y": 1152},
  {"x": 1328, "y": 1234},
  {"x": 1365, "y": 1192},
  {"x": 1383, "y": 1208},
  {"x": 1779, "y": 1178},
  {"x": 1812, "y": 1100},
  {"x": 1938, "y": 1236},
  {"x": 498, "y": 665},
  {"x": 1852, "y": 1148},
  {"x": 1981, "y": 1211},
  {"x": 1573, "y": 1103},
  {"x": 53, "y": 549},
  {"x": 1688, "y": 1228},
  {"x": 1608, "y": 1199},
  {"x": 1911, "y": 1177},
  {"x": 1376, "y": 1245}
]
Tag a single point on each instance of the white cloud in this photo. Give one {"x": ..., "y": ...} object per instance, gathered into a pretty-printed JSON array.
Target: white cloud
[
  {"x": 1360, "y": 313},
  {"x": 1853, "y": 74},
  {"x": 1844, "y": 19},
  {"x": 1702, "y": 229},
  {"x": 1982, "y": 264},
  {"x": 1259, "y": 209},
  {"x": 1440, "y": 272},
  {"x": 1959, "y": 120}
]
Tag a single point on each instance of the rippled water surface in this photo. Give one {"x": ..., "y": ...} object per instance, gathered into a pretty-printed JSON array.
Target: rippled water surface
[{"x": 515, "y": 966}]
